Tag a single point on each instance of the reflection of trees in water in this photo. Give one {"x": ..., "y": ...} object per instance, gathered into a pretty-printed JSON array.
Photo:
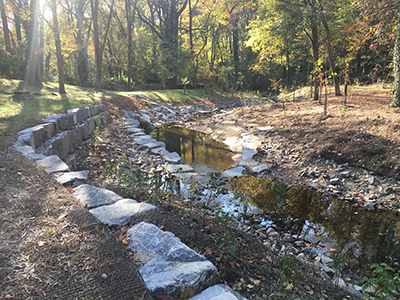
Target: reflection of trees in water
[
  {"x": 194, "y": 147},
  {"x": 355, "y": 231}
]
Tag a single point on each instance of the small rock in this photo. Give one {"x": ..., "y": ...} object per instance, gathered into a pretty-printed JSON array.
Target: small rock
[
  {"x": 335, "y": 181},
  {"x": 370, "y": 207},
  {"x": 370, "y": 180},
  {"x": 299, "y": 244},
  {"x": 345, "y": 174}
]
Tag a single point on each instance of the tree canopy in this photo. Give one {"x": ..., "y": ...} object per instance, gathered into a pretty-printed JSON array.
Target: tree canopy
[{"x": 232, "y": 45}]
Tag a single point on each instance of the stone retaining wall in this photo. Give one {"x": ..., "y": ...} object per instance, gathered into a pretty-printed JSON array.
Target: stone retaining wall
[{"x": 60, "y": 134}]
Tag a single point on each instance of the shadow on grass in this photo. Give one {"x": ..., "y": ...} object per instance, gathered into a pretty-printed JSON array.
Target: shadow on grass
[{"x": 28, "y": 109}]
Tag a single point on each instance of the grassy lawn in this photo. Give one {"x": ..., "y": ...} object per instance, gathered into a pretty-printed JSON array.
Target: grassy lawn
[
  {"x": 176, "y": 96},
  {"x": 16, "y": 115}
]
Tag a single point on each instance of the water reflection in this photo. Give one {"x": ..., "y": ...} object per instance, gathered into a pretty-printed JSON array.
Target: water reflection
[
  {"x": 196, "y": 148},
  {"x": 366, "y": 237}
]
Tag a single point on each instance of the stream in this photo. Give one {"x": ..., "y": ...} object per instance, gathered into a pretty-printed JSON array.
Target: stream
[{"x": 353, "y": 237}]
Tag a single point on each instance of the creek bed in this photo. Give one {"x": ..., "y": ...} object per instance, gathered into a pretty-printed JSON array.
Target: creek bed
[{"x": 352, "y": 236}]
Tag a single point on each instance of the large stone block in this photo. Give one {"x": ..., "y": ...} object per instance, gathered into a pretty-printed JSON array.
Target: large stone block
[
  {"x": 123, "y": 212},
  {"x": 53, "y": 164},
  {"x": 61, "y": 144},
  {"x": 38, "y": 136},
  {"x": 77, "y": 136},
  {"x": 91, "y": 196},
  {"x": 87, "y": 111},
  {"x": 78, "y": 114},
  {"x": 173, "y": 158},
  {"x": 91, "y": 124},
  {"x": 29, "y": 152},
  {"x": 102, "y": 108},
  {"x": 141, "y": 140},
  {"x": 93, "y": 110},
  {"x": 179, "y": 169},
  {"x": 24, "y": 136},
  {"x": 69, "y": 177},
  {"x": 85, "y": 130},
  {"x": 169, "y": 267},
  {"x": 62, "y": 121}
]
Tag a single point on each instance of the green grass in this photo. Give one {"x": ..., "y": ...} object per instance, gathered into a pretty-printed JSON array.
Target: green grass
[
  {"x": 18, "y": 115},
  {"x": 176, "y": 96}
]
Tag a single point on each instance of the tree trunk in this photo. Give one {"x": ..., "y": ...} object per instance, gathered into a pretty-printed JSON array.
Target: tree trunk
[
  {"x": 80, "y": 41},
  {"x": 396, "y": 63},
  {"x": 315, "y": 46},
  {"x": 287, "y": 69},
  {"x": 191, "y": 27},
  {"x": 235, "y": 46},
  {"x": 60, "y": 60},
  {"x": 330, "y": 56},
  {"x": 98, "y": 46},
  {"x": 33, "y": 76},
  {"x": 130, "y": 18},
  {"x": 7, "y": 40},
  {"x": 17, "y": 21}
]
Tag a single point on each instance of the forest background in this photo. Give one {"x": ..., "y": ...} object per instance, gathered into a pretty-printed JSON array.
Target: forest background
[{"x": 237, "y": 45}]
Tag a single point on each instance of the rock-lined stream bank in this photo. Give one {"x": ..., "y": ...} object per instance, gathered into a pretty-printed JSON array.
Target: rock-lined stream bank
[{"x": 278, "y": 159}]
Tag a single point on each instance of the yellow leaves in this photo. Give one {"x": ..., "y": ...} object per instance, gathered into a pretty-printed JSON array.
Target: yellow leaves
[{"x": 224, "y": 18}]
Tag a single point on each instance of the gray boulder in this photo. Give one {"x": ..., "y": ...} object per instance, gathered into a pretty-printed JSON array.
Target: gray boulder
[
  {"x": 53, "y": 164},
  {"x": 169, "y": 267},
  {"x": 91, "y": 196},
  {"x": 179, "y": 169},
  {"x": 125, "y": 211},
  {"x": 69, "y": 177}
]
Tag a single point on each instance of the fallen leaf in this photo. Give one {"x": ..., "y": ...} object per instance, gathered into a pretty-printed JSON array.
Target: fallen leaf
[
  {"x": 126, "y": 240},
  {"x": 208, "y": 251},
  {"x": 266, "y": 260},
  {"x": 41, "y": 243},
  {"x": 8, "y": 296},
  {"x": 255, "y": 281}
]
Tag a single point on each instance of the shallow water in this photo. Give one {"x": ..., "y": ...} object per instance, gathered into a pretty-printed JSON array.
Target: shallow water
[
  {"x": 197, "y": 149},
  {"x": 338, "y": 225}
]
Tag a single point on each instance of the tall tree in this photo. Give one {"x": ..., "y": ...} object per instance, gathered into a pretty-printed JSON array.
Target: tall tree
[
  {"x": 57, "y": 41},
  {"x": 6, "y": 31},
  {"x": 166, "y": 28},
  {"x": 33, "y": 76},
  {"x": 323, "y": 16},
  {"x": 99, "y": 46},
  {"x": 130, "y": 18},
  {"x": 80, "y": 38}
]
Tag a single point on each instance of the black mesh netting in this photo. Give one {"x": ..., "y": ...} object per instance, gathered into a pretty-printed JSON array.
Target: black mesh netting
[{"x": 53, "y": 248}]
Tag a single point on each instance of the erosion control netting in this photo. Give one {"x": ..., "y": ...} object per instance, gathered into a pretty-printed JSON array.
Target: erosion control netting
[
  {"x": 53, "y": 248},
  {"x": 114, "y": 276}
]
